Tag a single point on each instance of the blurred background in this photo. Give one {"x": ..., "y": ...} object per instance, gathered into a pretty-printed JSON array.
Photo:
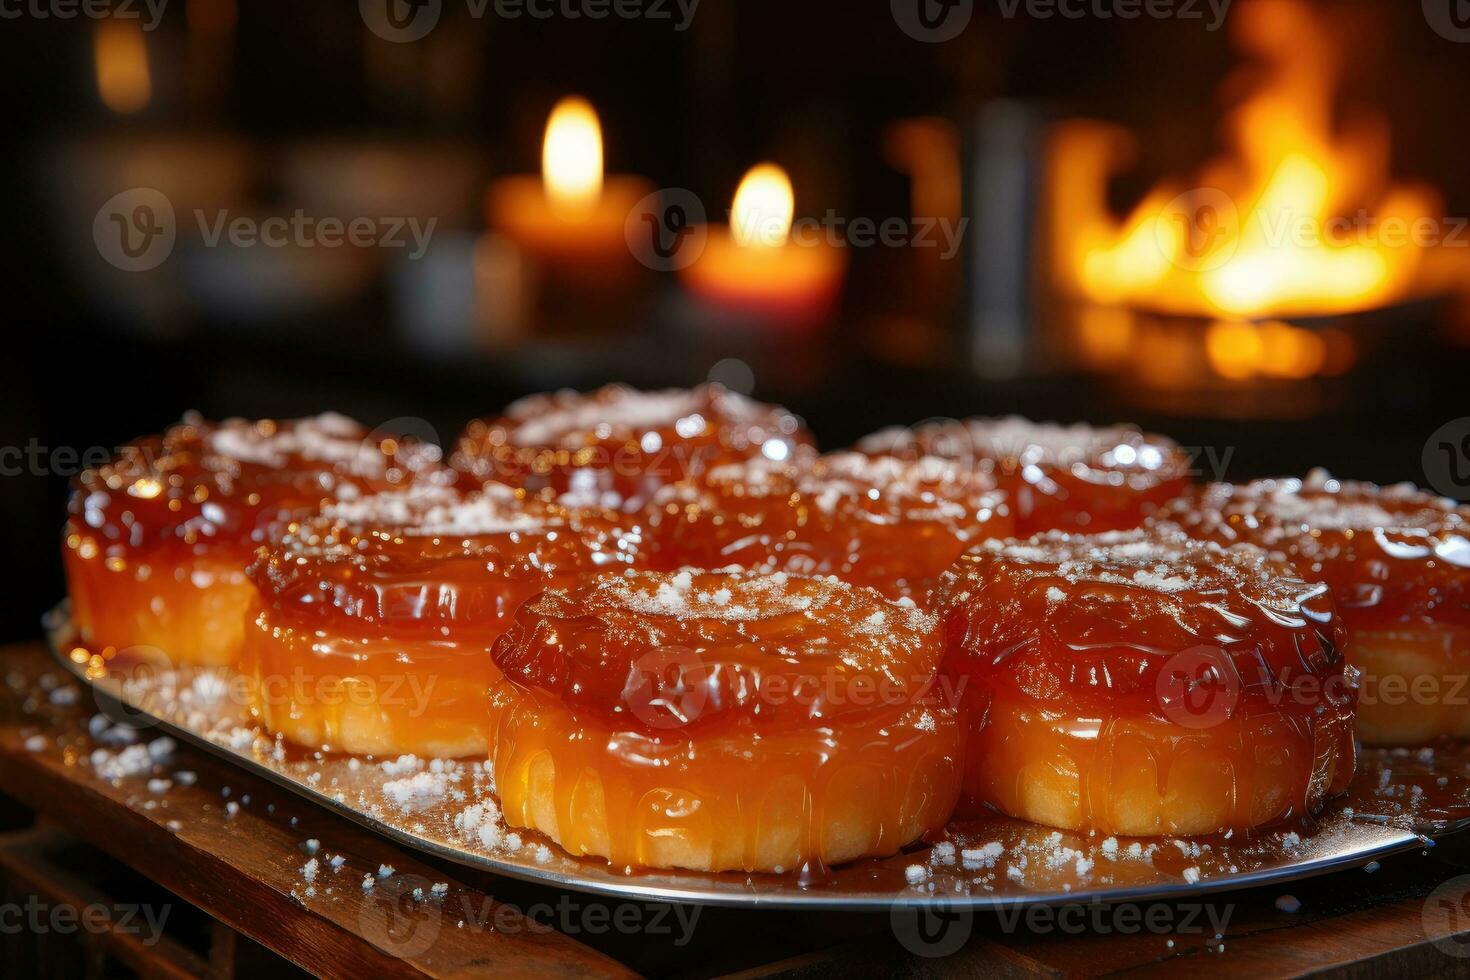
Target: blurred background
[{"x": 1241, "y": 224}]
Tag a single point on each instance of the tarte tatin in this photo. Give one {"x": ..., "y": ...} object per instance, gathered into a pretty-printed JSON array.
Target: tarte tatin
[
  {"x": 617, "y": 445},
  {"x": 1398, "y": 562},
  {"x": 1142, "y": 683},
  {"x": 1058, "y": 477},
  {"x": 722, "y": 721},
  {"x": 375, "y": 620},
  {"x": 880, "y": 521},
  {"x": 157, "y": 541}
]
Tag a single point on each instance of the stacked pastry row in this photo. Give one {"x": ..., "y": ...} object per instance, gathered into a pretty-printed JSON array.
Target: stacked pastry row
[{"x": 687, "y": 639}]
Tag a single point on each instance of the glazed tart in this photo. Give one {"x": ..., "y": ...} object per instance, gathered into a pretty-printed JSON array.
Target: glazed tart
[
  {"x": 1057, "y": 477},
  {"x": 615, "y": 446},
  {"x": 1398, "y": 562},
  {"x": 375, "y": 618},
  {"x": 720, "y": 721},
  {"x": 879, "y": 521},
  {"x": 1145, "y": 683},
  {"x": 157, "y": 540}
]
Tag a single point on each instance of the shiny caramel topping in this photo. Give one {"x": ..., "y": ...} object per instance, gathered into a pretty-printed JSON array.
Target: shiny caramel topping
[
  {"x": 751, "y": 650},
  {"x": 1391, "y": 554},
  {"x": 614, "y": 446},
  {"x": 435, "y": 554},
  {"x": 204, "y": 485},
  {"x": 1014, "y": 445},
  {"x": 1098, "y": 618},
  {"x": 883, "y": 521}
]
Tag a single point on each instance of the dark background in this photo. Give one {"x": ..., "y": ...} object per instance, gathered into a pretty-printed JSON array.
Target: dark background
[{"x": 90, "y": 362}]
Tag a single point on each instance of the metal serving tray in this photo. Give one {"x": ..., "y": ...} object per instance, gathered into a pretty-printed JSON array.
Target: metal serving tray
[{"x": 1398, "y": 801}]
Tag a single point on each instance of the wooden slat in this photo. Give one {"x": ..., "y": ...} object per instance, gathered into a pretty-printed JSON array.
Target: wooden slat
[
  {"x": 23, "y": 860},
  {"x": 245, "y": 869}
]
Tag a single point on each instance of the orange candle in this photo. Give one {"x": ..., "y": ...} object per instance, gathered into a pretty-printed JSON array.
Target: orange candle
[
  {"x": 572, "y": 215},
  {"x": 754, "y": 268}
]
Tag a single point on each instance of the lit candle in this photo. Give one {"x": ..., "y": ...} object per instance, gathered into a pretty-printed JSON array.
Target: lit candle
[
  {"x": 755, "y": 268},
  {"x": 571, "y": 215}
]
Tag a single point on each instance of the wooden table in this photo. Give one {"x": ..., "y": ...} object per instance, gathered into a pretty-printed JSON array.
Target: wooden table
[{"x": 228, "y": 883}]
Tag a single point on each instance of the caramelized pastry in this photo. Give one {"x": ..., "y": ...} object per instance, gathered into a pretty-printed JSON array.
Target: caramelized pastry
[
  {"x": 375, "y": 621},
  {"x": 1058, "y": 477},
  {"x": 721, "y": 721},
  {"x": 615, "y": 446},
  {"x": 879, "y": 521},
  {"x": 157, "y": 541},
  {"x": 1144, "y": 683},
  {"x": 1398, "y": 562}
]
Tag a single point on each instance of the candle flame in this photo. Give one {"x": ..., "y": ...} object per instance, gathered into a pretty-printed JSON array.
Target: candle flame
[
  {"x": 571, "y": 157},
  {"x": 122, "y": 65},
  {"x": 764, "y": 203}
]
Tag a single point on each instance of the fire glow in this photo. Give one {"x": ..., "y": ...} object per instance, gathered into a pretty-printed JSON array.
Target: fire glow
[{"x": 1301, "y": 218}]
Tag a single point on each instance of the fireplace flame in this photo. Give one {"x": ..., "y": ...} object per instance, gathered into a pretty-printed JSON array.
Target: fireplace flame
[{"x": 1299, "y": 218}]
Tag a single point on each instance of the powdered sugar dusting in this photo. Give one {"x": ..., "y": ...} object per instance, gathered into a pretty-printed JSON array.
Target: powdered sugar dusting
[
  {"x": 1014, "y": 442},
  {"x": 327, "y": 438},
  {"x": 430, "y": 511},
  {"x": 563, "y": 418}
]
